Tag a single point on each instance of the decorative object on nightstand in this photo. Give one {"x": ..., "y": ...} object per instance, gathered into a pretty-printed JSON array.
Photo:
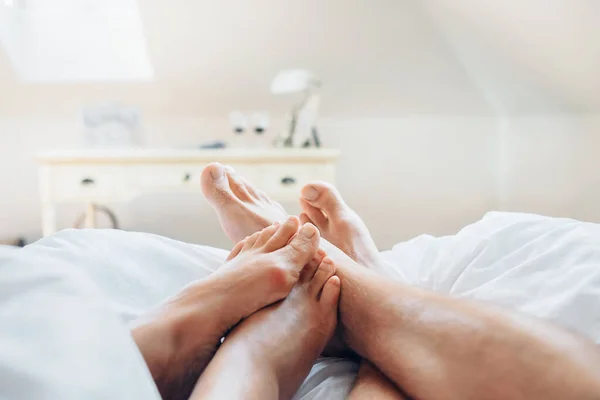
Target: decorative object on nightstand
[
  {"x": 96, "y": 177},
  {"x": 111, "y": 125},
  {"x": 249, "y": 130},
  {"x": 239, "y": 126},
  {"x": 302, "y": 131}
]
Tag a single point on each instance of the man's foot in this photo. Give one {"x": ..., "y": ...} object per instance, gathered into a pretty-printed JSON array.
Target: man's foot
[
  {"x": 180, "y": 337},
  {"x": 323, "y": 206},
  {"x": 271, "y": 353},
  {"x": 242, "y": 208}
]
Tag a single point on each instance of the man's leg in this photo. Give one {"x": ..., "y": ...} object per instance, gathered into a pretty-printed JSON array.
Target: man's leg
[
  {"x": 179, "y": 338},
  {"x": 437, "y": 347},
  {"x": 269, "y": 355},
  {"x": 430, "y": 323}
]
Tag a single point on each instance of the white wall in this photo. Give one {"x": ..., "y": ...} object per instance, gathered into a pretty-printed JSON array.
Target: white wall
[
  {"x": 550, "y": 165},
  {"x": 405, "y": 176}
]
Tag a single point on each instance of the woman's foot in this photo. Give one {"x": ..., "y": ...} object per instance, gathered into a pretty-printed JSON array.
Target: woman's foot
[
  {"x": 242, "y": 209},
  {"x": 179, "y": 338},
  {"x": 323, "y": 206},
  {"x": 271, "y": 353}
]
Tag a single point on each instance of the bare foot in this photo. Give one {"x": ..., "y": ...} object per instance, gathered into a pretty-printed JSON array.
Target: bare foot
[
  {"x": 179, "y": 338},
  {"x": 323, "y": 206},
  {"x": 271, "y": 353},
  {"x": 242, "y": 208}
]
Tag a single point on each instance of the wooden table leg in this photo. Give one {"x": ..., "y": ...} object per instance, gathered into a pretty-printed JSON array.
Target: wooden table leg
[{"x": 90, "y": 216}]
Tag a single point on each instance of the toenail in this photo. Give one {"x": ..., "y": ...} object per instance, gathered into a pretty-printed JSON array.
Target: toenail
[
  {"x": 217, "y": 172},
  {"x": 308, "y": 231},
  {"x": 310, "y": 193},
  {"x": 230, "y": 169}
]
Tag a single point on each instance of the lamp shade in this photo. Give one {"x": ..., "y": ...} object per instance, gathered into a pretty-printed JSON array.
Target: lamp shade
[{"x": 291, "y": 81}]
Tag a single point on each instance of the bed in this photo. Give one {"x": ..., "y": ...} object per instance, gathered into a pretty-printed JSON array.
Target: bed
[{"x": 67, "y": 299}]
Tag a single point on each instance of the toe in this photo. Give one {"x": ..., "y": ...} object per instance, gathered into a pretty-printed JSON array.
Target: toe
[
  {"x": 266, "y": 234},
  {"x": 283, "y": 235},
  {"x": 236, "y": 250},
  {"x": 331, "y": 293},
  {"x": 250, "y": 188},
  {"x": 237, "y": 185},
  {"x": 250, "y": 241},
  {"x": 325, "y": 271},
  {"x": 215, "y": 184},
  {"x": 304, "y": 219},
  {"x": 302, "y": 248},
  {"x": 315, "y": 215},
  {"x": 309, "y": 269},
  {"x": 324, "y": 197}
]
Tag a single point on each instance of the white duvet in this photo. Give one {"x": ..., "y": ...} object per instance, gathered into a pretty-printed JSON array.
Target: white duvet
[{"x": 65, "y": 301}]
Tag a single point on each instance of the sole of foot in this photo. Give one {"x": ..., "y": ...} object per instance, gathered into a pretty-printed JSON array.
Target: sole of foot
[{"x": 242, "y": 208}]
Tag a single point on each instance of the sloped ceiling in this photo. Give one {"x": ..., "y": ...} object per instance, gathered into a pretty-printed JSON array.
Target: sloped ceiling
[{"x": 377, "y": 58}]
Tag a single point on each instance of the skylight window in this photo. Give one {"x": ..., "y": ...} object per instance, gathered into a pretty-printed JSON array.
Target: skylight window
[{"x": 50, "y": 41}]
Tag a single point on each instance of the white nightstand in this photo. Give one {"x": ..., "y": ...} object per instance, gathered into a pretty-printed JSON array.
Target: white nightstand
[{"x": 96, "y": 177}]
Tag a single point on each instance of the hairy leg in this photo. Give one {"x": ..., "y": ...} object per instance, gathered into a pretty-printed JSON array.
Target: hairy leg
[
  {"x": 323, "y": 206},
  {"x": 269, "y": 354},
  {"x": 437, "y": 347}
]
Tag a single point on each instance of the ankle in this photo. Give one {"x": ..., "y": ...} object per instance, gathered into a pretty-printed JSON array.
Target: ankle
[{"x": 155, "y": 339}]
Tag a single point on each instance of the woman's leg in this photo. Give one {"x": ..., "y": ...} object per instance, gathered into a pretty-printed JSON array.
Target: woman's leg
[
  {"x": 179, "y": 338},
  {"x": 270, "y": 354}
]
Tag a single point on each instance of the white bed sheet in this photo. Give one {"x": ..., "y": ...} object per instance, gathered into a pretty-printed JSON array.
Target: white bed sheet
[{"x": 543, "y": 266}]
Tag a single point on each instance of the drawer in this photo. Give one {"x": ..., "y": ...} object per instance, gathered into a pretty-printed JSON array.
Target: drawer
[
  {"x": 284, "y": 181},
  {"x": 165, "y": 176},
  {"x": 158, "y": 176},
  {"x": 86, "y": 182}
]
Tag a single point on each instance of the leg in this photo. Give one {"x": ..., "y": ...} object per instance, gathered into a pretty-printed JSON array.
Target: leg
[
  {"x": 90, "y": 216},
  {"x": 178, "y": 339},
  {"x": 372, "y": 384},
  {"x": 323, "y": 205},
  {"x": 436, "y": 347},
  {"x": 270, "y": 354}
]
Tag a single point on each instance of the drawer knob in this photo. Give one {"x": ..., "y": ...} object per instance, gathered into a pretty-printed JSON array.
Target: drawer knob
[
  {"x": 87, "y": 182},
  {"x": 288, "y": 180},
  {"x": 187, "y": 177}
]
